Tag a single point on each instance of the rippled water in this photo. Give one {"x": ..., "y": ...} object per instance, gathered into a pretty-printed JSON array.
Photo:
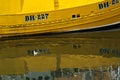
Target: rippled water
[{"x": 93, "y": 56}]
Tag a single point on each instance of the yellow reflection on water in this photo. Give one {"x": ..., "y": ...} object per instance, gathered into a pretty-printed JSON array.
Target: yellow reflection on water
[{"x": 54, "y": 62}]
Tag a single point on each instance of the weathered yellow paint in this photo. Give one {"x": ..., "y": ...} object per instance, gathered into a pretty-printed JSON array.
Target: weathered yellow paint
[
  {"x": 37, "y": 6},
  {"x": 59, "y": 20},
  {"x": 28, "y": 6},
  {"x": 49, "y": 5},
  {"x": 63, "y": 4},
  {"x": 10, "y": 6}
]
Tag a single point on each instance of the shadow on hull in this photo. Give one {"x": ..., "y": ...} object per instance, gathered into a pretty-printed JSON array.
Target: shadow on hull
[{"x": 101, "y": 32}]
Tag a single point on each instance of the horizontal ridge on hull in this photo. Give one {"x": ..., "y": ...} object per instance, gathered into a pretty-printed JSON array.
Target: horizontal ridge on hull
[
  {"x": 110, "y": 27},
  {"x": 87, "y": 16}
]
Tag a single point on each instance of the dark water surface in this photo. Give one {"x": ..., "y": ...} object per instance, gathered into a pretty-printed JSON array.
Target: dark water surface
[{"x": 61, "y": 56}]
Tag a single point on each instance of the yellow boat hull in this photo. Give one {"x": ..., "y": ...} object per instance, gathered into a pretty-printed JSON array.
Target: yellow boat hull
[{"x": 89, "y": 16}]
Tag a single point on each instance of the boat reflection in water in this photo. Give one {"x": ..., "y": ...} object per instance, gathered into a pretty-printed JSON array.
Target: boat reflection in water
[
  {"x": 88, "y": 56},
  {"x": 100, "y": 73},
  {"x": 60, "y": 67}
]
